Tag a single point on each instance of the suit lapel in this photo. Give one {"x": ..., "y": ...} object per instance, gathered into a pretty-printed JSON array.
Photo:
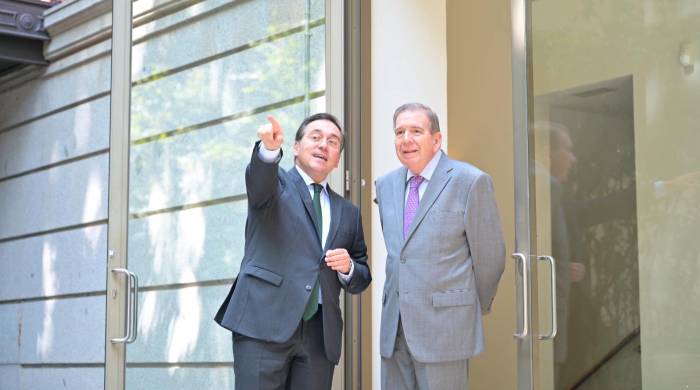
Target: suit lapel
[
  {"x": 303, "y": 192},
  {"x": 399, "y": 193},
  {"x": 336, "y": 215},
  {"x": 437, "y": 183}
]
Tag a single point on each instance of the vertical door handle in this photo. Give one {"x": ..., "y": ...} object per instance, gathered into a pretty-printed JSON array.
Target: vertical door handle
[
  {"x": 553, "y": 283},
  {"x": 129, "y": 322},
  {"x": 526, "y": 307},
  {"x": 132, "y": 289},
  {"x": 134, "y": 308}
]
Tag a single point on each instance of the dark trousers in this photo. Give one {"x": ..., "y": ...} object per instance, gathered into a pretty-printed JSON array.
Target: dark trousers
[{"x": 300, "y": 363}]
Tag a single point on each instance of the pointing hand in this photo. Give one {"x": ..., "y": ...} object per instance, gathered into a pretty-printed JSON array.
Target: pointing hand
[{"x": 271, "y": 134}]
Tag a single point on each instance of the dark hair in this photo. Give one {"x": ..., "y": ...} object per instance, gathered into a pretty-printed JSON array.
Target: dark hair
[
  {"x": 432, "y": 116},
  {"x": 319, "y": 116}
]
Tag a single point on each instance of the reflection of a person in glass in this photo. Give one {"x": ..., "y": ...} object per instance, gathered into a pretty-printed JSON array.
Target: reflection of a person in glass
[
  {"x": 569, "y": 217},
  {"x": 560, "y": 162}
]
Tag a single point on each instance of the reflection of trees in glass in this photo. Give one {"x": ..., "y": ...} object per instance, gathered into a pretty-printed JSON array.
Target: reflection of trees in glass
[
  {"x": 669, "y": 241},
  {"x": 192, "y": 132},
  {"x": 608, "y": 243},
  {"x": 602, "y": 201},
  {"x": 206, "y": 99}
]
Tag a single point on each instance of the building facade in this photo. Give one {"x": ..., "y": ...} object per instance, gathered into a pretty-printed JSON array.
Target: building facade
[{"x": 122, "y": 159}]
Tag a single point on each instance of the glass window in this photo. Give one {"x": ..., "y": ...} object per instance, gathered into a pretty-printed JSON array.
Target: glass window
[{"x": 204, "y": 78}]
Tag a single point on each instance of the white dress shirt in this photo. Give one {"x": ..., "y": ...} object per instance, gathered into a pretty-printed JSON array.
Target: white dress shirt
[{"x": 427, "y": 173}]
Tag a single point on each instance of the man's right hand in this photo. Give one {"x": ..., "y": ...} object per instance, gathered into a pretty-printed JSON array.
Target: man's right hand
[{"x": 271, "y": 134}]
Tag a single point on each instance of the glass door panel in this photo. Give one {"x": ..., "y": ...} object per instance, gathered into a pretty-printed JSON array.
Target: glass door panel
[
  {"x": 204, "y": 76},
  {"x": 616, "y": 176}
]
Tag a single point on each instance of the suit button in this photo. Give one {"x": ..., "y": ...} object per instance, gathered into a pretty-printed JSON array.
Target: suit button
[{"x": 308, "y": 287}]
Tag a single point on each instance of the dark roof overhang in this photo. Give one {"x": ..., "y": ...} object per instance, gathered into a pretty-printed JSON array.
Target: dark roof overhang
[{"x": 22, "y": 34}]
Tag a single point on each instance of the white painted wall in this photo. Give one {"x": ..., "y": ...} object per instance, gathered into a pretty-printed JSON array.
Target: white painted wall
[{"x": 409, "y": 64}]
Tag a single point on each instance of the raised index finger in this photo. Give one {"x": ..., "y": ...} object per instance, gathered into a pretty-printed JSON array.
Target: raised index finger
[{"x": 276, "y": 128}]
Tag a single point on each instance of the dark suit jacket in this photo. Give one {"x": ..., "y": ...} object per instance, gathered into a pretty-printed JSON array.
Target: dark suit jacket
[{"x": 283, "y": 258}]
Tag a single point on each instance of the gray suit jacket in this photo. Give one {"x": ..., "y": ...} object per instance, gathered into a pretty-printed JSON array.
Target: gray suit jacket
[
  {"x": 283, "y": 258},
  {"x": 444, "y": 275}
]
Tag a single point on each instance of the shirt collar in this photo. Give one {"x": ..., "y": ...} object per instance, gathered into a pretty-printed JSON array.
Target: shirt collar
[
  {"x": 309, "y": 181},
  {"x": 429, "y": 169}
]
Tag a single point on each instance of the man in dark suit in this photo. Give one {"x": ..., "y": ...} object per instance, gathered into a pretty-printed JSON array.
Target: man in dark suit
[{"x": 303, "y": 244}]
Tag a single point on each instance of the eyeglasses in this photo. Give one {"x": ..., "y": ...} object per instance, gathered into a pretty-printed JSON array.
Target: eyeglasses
[{"x": 332, "y": 141}]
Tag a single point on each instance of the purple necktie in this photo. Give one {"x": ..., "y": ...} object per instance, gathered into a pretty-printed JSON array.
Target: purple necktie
[{"x": 411, "y": 203}]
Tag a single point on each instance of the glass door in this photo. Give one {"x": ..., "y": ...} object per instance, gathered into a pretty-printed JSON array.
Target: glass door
[
  {"x": 613, "y": 179},
  {"x": 204, "y": 75}
]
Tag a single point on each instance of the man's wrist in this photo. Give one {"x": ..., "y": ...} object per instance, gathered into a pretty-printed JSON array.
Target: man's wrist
[
  {"x": 268, "y": 156},
  {"x": 346, "y": 277}
]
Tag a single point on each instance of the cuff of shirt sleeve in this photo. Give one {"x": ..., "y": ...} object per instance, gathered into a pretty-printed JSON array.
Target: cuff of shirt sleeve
[
  {"x": 345, "y": 278},
  {"x": 268, "y": 156}
]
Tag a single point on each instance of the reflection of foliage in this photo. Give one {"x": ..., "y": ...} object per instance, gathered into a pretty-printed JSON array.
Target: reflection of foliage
[
  {"x": 192, "y": 131},
  {"x": 601, "y": 193},
  {"x": 281, "y": 59},
  {"x": 261, "y": 75},
  {"x": 609, "y": 246},
  {"x": 669, "y": 238}
]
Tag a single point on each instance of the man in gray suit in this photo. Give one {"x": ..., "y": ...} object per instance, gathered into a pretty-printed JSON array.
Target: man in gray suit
[
  {"x": 445, "y": 256},
  {"x": 303, "y": 244}
]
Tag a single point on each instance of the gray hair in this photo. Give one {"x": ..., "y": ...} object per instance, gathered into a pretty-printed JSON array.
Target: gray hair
[{"x": 432, "y": 116}]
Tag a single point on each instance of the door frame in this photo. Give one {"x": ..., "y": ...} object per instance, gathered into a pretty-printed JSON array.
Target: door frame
[
  {"x": 117, "y": 225},
  {"x": 120, "y": 106},
  {"x": 524, "y": 192}
]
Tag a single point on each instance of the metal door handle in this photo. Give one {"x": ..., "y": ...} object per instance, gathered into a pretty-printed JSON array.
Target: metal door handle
[
  {"x": 526, "y": 306},
  {"x": 553, "y": 282},
  {"x": 134, "y": 308},
  {"x": 132, "y": 283}
]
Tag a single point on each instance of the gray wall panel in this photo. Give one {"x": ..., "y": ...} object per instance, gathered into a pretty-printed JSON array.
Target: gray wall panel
[
  {"x": 79, "y": 33},
  {"x": 9, "y": 377},
  {"x": 61, "y": 263},
  {"x": 83, "y": 378},
  {"x": 47, "y": 126},
  {"x": 63, "y": 331},
  {"x": 40, "y": 96},
  {"x": 9, "y": 336},
  {"x": 62, "y": 196},
  {"x": 67, "y": 134}
]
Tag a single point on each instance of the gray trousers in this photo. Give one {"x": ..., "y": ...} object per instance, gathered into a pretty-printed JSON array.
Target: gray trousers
[
  {"x": 402, "y": 372},
  {"x": 299, "y": 363}
]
